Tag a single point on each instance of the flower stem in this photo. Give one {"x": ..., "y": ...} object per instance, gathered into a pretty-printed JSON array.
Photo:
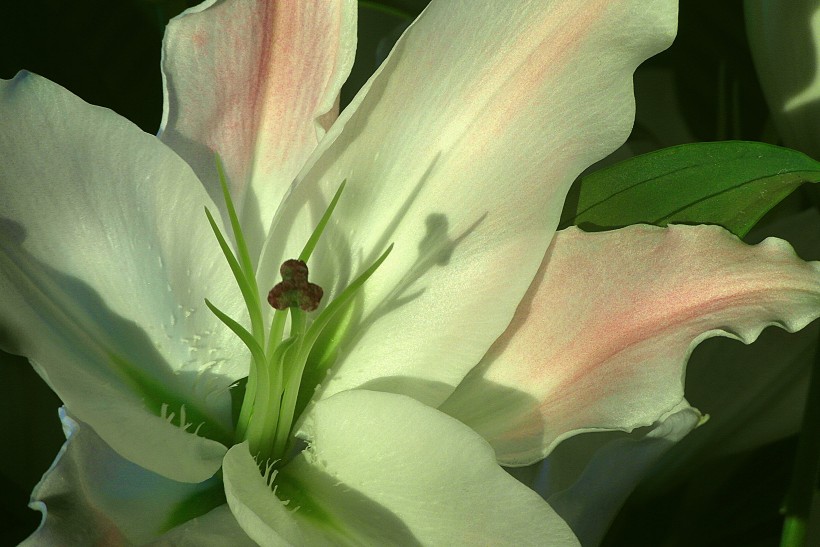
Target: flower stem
[{"x": 797, "y": 506}]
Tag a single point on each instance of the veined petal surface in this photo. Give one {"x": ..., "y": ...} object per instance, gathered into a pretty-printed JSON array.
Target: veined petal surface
[
  {"x": 460, "y": 150},
  {"x": 384, "y": 469},
  {"x": 602, "y": 338},
  {"x": 105, "y": 260},
  {"x": 257, "y": 82},
  {"x": 92, "y": 496}
]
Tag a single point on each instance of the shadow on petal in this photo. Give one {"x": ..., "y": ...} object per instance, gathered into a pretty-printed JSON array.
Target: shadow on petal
[
  {"x": 350, "y": 510},
  {"x": 509, "y": 419},
  {"x": 92, "y": 496},
  {"x": 110, "y": 371}
]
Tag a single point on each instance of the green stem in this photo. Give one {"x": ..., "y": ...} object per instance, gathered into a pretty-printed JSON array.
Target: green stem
[
  {"x": 794, "y": 532},
  {"x": 797, "y": 506}
]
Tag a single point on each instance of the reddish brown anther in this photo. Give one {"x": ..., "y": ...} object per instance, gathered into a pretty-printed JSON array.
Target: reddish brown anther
[{"x": 295, "y": 289}]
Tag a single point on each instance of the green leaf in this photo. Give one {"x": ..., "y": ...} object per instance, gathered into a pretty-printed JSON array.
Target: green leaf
[{"x": 732, "y": 184}]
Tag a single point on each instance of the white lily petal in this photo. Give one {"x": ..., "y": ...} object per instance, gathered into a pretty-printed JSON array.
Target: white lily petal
[
  {"x": 256, "y": 82},
  {"x": 263, "y": 516},
  {"x": 92, "y": 496},
  {"x": 105, "y": 260},
  {"x": 430, "y": 481},
  {"x": 602, "y": 338},
  {"x": 460, "y": 150}
]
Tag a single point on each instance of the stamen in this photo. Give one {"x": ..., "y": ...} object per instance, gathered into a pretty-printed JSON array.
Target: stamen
[{"x": 243, "y": 271}]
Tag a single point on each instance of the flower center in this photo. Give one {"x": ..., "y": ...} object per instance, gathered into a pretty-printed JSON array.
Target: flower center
[{"x": 275, "y": 392}]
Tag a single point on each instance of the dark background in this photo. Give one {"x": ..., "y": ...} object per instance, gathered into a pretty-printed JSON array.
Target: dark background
[{"x": 108, "y": 52}]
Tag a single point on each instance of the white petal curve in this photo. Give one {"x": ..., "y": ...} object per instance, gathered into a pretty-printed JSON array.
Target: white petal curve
[
  {"x": 385, "y": 469},
  {"x": 754, "y": 395},
  {"x": 92, "y": 496},
  {"x": 602, "y": 339},
  {"x": 105, "y": 260}
]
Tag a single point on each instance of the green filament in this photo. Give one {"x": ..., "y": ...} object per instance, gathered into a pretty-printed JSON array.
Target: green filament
[
  {"x": 249, "y": 294},
  {"x": 246, "y": 337},
  {"x": 320, "y": 228},
  {"x": 247, "y": 281},
  {"x": 242, "y": 269}
]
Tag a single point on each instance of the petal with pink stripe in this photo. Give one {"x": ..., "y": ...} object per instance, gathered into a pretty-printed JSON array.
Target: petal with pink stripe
[
  {"x": 602, "y": 338},
  {"x": 257, "y": 82}
]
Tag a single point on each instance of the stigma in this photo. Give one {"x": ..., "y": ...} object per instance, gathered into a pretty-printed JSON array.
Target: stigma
[{"x": 295, "y": 290}]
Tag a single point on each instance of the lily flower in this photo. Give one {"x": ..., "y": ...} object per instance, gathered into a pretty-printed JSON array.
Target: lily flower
[{"x": 483, "y": 338}]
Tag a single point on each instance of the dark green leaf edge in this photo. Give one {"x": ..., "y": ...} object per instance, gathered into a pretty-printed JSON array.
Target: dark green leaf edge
[{"x": 715, "y": 205}]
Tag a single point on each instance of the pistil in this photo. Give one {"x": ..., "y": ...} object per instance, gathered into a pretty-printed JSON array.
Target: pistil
[{"x": 278, "y": 364}]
